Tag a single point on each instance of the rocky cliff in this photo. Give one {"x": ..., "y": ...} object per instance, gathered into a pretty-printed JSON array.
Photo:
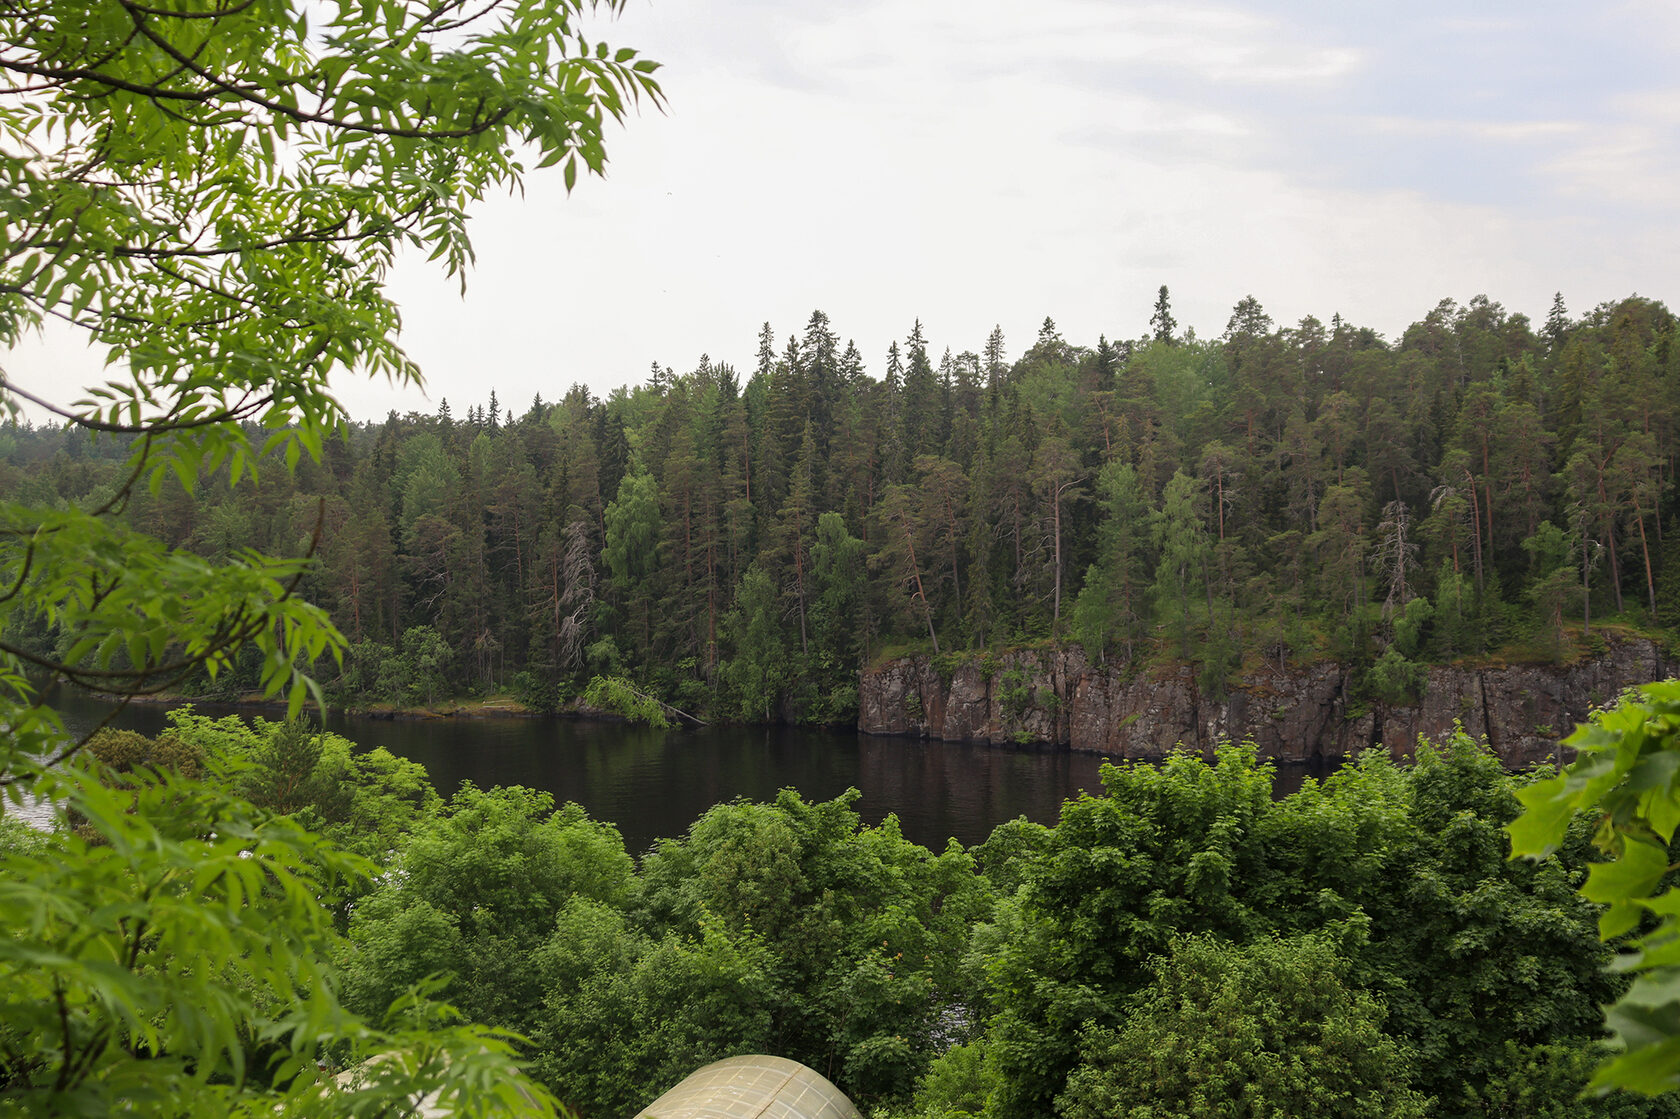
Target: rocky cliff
[{"x": 1295, "y": 714}]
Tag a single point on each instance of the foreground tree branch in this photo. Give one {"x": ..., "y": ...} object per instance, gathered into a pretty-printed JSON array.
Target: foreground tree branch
[{"x": 215, "y": 192}]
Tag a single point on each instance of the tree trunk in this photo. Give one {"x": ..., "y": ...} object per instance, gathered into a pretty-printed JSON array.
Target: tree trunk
[
  {"x": 916, "y": 571},
  {"x": 1476, "y": 534},
  {"x": 1650, "y": 580}
]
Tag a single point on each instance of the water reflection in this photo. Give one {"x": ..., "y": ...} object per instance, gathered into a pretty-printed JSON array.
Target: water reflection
[{"x": 654, "y": 784}]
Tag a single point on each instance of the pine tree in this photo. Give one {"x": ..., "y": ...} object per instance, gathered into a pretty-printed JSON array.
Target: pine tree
[
  {"x": 944, "y": 491},
  {"x": 839, "y": 625},
  {"x": 1058, "y": 477},
  {"x": 902, "y": 530},
  {"x": 1111, "y": 605},
  {"x": 920, "y": 412},
  {"x": 895, "y": 463},
  {"x": 631, "y": 554},
  {"x": 996, "y": 367},
  {"x": 820, "y": 357},
  {"x": 796, "y": 522},
  {"x": 1161, "y": 322},
  {"x": 766, "y": 353}
]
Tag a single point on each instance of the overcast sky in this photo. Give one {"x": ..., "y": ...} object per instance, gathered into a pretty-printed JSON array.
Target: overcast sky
[{"x": 984, "y": 162}]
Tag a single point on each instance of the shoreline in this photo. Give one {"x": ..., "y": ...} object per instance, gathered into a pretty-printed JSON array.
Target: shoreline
[{"x": 496, "y": 707}]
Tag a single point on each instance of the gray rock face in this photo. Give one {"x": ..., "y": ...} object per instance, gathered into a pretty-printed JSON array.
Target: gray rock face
[{"x": 1057, "y": 697}]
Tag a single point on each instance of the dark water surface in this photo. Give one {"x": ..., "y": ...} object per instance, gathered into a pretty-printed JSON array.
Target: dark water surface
[{"x": 654, "y": 784}]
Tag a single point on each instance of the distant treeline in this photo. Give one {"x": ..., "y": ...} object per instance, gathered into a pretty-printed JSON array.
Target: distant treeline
[{"x": 739, "y": 544}]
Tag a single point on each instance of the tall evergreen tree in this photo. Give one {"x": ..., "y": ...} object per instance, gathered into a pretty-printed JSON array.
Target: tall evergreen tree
[
  {"x": 1112, "y": 605},
  {"x": 1161, "y": 321}
]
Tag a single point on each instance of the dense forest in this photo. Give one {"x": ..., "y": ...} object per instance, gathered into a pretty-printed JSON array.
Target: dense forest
[
  {"x": 738, "y": 545},
  {"x": 1186, "y": 943},
  {"x": 258, "y": 919}
]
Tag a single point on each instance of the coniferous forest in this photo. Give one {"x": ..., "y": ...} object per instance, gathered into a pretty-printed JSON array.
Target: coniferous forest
[
  {"x": 258, "y": 918},
  {"x": 738, "y": 542}
]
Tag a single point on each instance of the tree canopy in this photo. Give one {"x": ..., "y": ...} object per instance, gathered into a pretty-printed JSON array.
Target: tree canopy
[{"x": 736, "y": 546}]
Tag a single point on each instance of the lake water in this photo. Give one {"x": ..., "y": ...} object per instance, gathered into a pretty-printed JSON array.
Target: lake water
[{"x": 653, "y": 784}]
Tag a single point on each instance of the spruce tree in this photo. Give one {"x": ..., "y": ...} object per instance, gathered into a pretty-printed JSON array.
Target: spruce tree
[{"x": 1161, "y": 322}]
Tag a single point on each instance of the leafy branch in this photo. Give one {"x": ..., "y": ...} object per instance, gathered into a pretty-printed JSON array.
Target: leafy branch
[{"x": 1628, "y": 776}]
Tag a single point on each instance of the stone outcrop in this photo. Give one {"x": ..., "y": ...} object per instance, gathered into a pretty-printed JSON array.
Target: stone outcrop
[{"x": 1294, "y": 714}]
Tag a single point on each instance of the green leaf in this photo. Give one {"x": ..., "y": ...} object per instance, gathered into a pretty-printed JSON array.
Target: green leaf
[
  {"x": 1647, "y": 1069},
  {"x": 1548, "y": 808},
  {"x": 1619, "y": 919},
  {"x": 1631, "y": 877}
]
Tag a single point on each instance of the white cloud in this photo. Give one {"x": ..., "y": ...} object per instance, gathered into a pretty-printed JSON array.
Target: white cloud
[
  {"x": 1633, "y": 164},
  {"x": 1481, "y": 25},
  {"x": 1221, "y": 44},
  {"x": 1657, "y": 20},
  {"x": 1524, "y": 131},
  {"x": 1652, "y": 106},
  {"x": 1518, "y": 131}
]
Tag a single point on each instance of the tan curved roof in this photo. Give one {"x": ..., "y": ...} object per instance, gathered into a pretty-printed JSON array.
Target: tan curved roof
[{"x": 755, "y": 1087}]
